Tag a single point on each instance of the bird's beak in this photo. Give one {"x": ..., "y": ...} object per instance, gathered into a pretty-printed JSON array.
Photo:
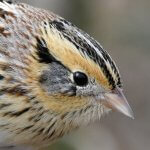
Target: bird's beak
[{"x": 116, "y": 100}]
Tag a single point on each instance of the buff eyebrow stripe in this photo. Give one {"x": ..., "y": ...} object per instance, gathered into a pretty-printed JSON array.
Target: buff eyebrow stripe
[
  {"x": 85, "y": 48},
  {"x": 44, "y": 53}
]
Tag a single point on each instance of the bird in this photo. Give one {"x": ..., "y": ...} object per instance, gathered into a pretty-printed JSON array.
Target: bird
[{"x": 54, "y": 78}]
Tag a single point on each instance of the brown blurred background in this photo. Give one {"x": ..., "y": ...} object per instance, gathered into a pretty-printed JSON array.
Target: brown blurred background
[{"x": 123, "y": 28}]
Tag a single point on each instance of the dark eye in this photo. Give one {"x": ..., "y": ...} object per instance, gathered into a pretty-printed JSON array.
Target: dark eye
[{"x": 80, "y": 78}]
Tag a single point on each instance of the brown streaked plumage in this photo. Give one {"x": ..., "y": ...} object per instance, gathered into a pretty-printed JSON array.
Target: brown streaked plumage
[{"x": 53, "y": 77}]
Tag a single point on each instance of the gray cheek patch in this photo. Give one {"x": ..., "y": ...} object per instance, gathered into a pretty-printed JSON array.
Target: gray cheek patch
[{"x": 55, "y": 80}]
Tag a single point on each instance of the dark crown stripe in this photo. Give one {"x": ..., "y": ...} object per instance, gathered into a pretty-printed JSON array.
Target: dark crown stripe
[
  {"x": 108, "y": 58},
  {"x": 87, "y": 49},
  {"x": 8, "y": 1}
]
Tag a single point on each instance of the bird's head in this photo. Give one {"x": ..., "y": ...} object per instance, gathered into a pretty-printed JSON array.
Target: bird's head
[{"x": 77, "y": 79}]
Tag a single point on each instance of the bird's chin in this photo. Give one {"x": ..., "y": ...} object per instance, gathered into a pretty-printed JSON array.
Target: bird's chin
[{"x": 90, "y": 114}]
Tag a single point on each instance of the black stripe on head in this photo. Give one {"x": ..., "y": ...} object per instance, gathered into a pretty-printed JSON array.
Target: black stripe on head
[
  {"x": 8, "y": 1},
  {"x": 44, "y": 55},
  {"x": 58, "y": 25},
  {"x": 81, "y": 44},
  {"x": 43, "y": 52},
  {"x": 106, "y": 57}
]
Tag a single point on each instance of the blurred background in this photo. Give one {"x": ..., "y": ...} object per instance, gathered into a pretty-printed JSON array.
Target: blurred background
[{"x": 123, "y": 28}]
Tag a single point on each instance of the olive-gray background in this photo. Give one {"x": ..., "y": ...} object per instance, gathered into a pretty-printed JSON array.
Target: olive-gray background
[{"x": 123, "y": 28}]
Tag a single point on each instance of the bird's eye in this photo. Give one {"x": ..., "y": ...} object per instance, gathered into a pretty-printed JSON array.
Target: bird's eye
[{"x": 80, "y": 78}]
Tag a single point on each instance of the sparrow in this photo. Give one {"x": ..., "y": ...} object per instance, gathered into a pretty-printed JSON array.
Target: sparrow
[{"x": 54, "y": 78}]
